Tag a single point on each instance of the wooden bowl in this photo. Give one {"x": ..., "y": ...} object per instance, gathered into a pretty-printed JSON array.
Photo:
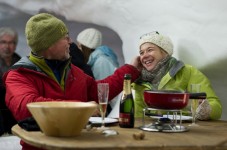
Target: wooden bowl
[{"x": 62, "y": 119}]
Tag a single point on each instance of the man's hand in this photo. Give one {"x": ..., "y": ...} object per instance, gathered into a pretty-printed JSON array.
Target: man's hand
[{"x": 97, "y": 112}]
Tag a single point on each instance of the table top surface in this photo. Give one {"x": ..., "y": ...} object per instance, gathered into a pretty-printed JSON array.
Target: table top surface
[{"x": 208, "y": 135}]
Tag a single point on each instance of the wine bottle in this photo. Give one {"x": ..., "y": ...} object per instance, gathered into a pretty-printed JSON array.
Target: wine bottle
[{"x": 126, "y": 115}]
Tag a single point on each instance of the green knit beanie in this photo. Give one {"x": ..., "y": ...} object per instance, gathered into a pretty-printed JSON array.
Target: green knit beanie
[{"x": 43, "y": 30}]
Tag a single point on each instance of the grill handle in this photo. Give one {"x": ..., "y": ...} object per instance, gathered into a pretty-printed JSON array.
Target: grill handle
[{"x": 201, "y": 95}]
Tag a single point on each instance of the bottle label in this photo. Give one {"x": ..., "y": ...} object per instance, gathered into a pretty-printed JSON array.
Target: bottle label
[{"x": 124, "y": 118}]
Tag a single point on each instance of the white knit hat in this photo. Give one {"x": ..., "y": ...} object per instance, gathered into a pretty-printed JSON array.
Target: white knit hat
[
  {"x": 162, "y": 41},
  {"x": 91, "y": 38}
]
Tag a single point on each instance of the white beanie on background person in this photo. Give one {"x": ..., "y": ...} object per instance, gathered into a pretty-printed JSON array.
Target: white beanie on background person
[
  {"x": 160, "y": 40},
  {"x": 91, "y": 38}
]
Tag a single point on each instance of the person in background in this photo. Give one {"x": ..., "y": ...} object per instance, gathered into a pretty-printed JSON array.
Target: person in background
[
  {"x": 47, "y": 74},
  {"x": 161, "y": 71},
  {"x": 8, "y": 56},
  {"x": 78, "y": 59},
  {"x": 101, "y": 58}
]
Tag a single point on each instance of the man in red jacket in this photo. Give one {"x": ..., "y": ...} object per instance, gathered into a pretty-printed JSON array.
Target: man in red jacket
[{"x": 47, "y": 73}]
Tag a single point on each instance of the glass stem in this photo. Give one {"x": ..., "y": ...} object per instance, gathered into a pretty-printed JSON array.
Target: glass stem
[
  {"x": 103, "y": 121},
  {"x": 193, "y": 119}
]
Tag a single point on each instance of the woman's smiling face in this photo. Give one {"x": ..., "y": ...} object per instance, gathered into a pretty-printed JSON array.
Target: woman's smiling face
[{"x": 150, "y": 55}]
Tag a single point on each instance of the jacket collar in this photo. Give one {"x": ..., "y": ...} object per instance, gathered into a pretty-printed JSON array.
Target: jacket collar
[{"x": 177, "y": 66}]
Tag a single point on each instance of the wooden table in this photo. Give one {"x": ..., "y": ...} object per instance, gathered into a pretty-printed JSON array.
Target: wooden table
[{"x": 210, "y": 135}]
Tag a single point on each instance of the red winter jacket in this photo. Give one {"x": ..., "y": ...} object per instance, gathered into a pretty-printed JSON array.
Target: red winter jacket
[{"x": 27, "y": 84}]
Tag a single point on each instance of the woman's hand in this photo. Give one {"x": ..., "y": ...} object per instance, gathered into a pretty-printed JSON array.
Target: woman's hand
[
  {"x": 137, "y": 63},
  {"x": 203, "y": 111}
]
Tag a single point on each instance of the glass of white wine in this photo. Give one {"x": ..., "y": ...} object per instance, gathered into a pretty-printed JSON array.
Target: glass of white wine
[
  {"x": 195, "y": 88},
  {"x": 103, "y": 93}
]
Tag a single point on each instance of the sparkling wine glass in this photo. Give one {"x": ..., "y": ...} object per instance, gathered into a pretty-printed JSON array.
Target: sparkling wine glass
[
  {"x": 195, "y": 88},
  {"x": 103, "y": 93}
]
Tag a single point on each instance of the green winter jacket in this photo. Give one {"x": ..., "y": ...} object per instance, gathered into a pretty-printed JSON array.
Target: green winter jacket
[{"x": 179, "y": 77}]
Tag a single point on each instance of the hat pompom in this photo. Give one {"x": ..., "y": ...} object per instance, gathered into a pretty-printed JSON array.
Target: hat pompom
[
  {"x": 160, "y": 40},
  {"x": 91, "y": 38}
]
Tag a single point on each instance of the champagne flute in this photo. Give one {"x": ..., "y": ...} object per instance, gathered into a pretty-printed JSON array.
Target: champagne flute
[
  {"x": 195, "y": 88},
  {"x": 103, "y": 93}
]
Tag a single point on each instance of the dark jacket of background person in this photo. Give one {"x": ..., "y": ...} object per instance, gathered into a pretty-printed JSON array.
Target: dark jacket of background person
[
  {"x": 78, "y": 59},
  {"x": 8, "y": 43},
  {"x": 6, "y": 118}
]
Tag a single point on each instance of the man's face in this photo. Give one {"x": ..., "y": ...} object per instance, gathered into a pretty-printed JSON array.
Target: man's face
[
  {"x": 60, "y": 50},
  {"x": 7, "y": 46}
]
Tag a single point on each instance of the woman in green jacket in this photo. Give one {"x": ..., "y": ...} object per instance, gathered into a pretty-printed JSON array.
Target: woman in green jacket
[{"x": 164, "y": 72}]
